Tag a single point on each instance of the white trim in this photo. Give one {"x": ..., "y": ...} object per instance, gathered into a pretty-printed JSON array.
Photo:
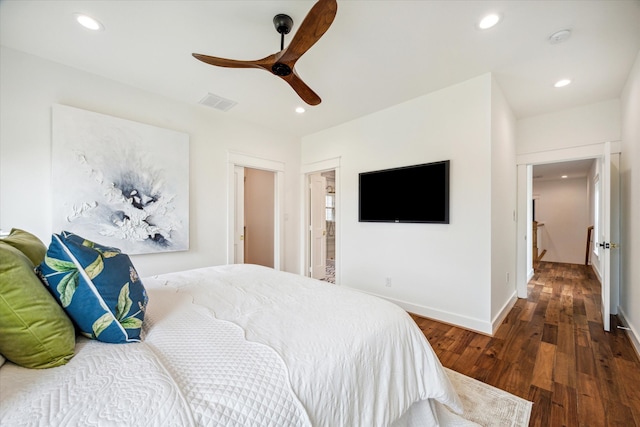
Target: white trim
[
  {"x": 457, "y": 320},
  {"x": 596, "y": 271},
  {"x": 562, "y": 154},
  {"x": 504, "y": 311},
  {"x": 524, "y": 270},
  {"x": 245, "y": 160},
  {"x": 250, "y": 161},
  {"x": 322, "y": 165},
  {"x": 631, "y": 333},
  {"x": 597, "y": 212}
]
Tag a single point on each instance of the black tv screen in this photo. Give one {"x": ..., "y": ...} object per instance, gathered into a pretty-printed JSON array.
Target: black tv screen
[{"x": 418, "y": 193}]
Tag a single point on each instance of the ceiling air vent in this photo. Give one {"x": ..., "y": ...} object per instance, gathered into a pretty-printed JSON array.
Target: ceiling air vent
[{"x": 218, "y": 102}]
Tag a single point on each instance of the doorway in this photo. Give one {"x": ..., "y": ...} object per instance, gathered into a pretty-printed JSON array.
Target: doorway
[
  {"x": 563, "y": 210},
  {"x": 330, "y": 218},
  {"x": 321, "y": 236},
  {"x": 254, "y": 210},
  {"x": 258, "y": 230},
  {"x": 608, "y": 209},
  {"x": 322, "y": 220}
]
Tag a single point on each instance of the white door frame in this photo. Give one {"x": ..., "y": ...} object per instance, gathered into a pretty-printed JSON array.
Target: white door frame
[
  {"x": 239, "y": 159},
  {"x": 318, "y": 228},
  {"x": 238, "y": 215},
  {"x": 525, "y": 164},
  {"x": 605, "y": 235},
  {"x": 307, "y": 170}
]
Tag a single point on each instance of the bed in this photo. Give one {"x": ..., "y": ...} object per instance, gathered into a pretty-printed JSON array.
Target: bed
[{"x": 243, "y": 345}]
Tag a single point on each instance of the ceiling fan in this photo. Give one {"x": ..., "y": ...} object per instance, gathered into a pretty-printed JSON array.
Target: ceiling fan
[{"x": 281, "y": 64}]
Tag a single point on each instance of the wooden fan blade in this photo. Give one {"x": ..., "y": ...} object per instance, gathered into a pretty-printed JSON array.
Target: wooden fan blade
[
  {"x": 301, "y": 88},
  {"x": 314, "y": 25},
  {"x": 281, "y": 64},
  {"x": 264, "y": 63}
]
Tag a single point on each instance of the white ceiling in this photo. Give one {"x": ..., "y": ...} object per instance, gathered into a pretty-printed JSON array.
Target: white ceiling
[
  {"x": 375, "y": 55},
  {"x": 555, "y": 171}
]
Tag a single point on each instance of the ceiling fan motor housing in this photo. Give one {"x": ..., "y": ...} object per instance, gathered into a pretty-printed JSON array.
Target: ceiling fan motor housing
[
  {"x": 283, "y": 23},
  {"x": 280, "y": 69}
]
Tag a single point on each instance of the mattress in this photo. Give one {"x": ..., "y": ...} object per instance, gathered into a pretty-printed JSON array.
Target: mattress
[{"x": 243, "y": 345}]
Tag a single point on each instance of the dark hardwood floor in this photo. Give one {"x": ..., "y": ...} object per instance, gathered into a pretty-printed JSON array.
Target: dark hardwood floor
[{"x": 551, "y": 349}]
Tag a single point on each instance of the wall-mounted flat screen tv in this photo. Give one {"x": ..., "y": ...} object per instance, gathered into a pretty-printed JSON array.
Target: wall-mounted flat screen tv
[{"x": 418, "y": 193}]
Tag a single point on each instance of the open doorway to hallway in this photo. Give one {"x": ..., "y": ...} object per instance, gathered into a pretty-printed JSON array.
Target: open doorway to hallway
[
  {"x": 607, "y": 156},
  {"x": 564, "y": 208}
]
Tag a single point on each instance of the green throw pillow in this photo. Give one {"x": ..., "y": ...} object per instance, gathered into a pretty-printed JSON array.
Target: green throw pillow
[
  {"x": 35, "y": 332},
  {"x": 28, "y": 244}
]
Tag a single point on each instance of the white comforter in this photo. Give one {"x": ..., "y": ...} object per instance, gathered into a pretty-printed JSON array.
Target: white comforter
[
  {"x": 243, "y": 345},
  {"x": 353, "y": 359}
]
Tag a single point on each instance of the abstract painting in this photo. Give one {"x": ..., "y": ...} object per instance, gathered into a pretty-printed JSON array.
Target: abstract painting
[{"x": 120, "y": 183}]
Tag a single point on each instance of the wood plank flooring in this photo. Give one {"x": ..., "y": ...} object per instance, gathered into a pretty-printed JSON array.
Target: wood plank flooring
[{"x": 551, "y": 349}]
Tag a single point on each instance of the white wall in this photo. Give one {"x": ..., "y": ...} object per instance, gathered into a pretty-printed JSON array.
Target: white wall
[
  {"x": 630, "y": 195},
  {"x": 439, "y": 271},
  {"x": 563, "y": 206},
  {"x": 29, "y": 87},
  {"x": 585, "y": 125},
  {"x": 503, "y": 205}
]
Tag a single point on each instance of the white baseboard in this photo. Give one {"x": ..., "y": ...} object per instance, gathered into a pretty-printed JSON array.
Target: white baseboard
[
  {"x": 530, "y": 275},
  {"x": 597, "y": 272},
  {"x": 506, "y": 308},
  {"x": 632, "y": 333},
  {"x": 465, "y": 322}
]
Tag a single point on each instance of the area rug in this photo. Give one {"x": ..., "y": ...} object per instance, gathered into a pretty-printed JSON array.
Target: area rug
[{"x": 484, "y": 405}]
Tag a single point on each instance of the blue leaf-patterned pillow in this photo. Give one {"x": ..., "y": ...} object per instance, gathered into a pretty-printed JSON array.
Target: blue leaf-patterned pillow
[{"x": 97, "y": 286}]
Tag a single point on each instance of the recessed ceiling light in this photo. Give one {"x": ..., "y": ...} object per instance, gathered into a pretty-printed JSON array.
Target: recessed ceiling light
[
  {"x": 489, "y": 21},
  {"x": 300, "y": 110},
  {"x": 564, "y": 176},
  {"x": 88, "y": 22},
  {"x": 559, "y": 36},
  {"x": 562, "y": 83}
]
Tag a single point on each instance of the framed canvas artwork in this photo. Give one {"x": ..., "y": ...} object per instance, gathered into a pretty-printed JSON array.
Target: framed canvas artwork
[{"x": 120, "y": 183}]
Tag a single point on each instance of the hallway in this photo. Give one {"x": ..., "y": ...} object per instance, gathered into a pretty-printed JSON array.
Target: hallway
[{"x": 551, "y": 349}]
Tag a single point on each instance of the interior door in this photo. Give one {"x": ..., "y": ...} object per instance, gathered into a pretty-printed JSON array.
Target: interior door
[
  {"x": 259, "y": 217},
  {"x": 238, "y": 220},
  {"x": 605, "y": 236},
  {"x": 318, "y": 223}
]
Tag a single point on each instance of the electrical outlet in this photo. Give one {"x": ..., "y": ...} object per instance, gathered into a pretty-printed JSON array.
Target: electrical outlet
[{"x": 388, "y": 282}]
